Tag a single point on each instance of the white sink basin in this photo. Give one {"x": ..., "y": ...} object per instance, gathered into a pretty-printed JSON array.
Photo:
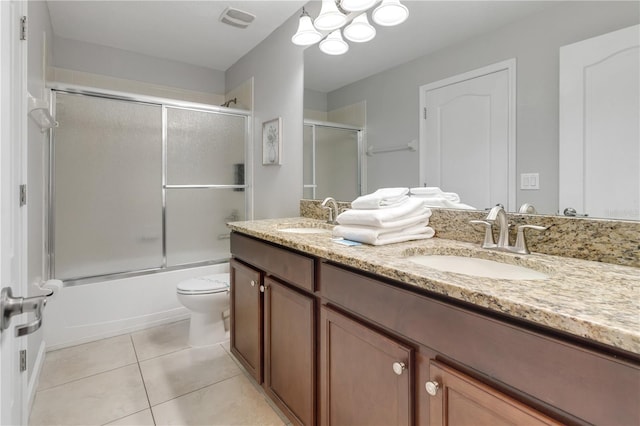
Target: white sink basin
[
  {"x": 304, "y": 230},
  {"x": 478, "y": 267}
]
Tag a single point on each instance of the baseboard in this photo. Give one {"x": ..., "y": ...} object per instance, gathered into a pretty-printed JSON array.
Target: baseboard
[{"x": 180, "y": 314}]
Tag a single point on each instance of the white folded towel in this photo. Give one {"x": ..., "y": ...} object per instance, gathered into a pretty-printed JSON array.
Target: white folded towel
[
  {"x": 442, "y": 202},
  {"x": 378, "y": 217},
  {"x": 382, "y": 198},
  {"x": 435, "y": 192},
  {"x": 377, "y": 236}
]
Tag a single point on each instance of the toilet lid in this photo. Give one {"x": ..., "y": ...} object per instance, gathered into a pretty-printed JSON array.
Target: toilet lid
[{"x": 215, "y": 283}]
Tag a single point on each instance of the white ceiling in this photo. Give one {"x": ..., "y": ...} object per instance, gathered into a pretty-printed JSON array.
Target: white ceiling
[{"x": 182, "y": 30}]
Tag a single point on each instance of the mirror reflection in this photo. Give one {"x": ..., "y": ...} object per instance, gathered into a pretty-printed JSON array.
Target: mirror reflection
[{"x": 389, "y": 80}]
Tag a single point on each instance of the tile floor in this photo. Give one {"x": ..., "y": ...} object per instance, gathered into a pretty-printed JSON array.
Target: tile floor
[{"x": 151, "y": 377}]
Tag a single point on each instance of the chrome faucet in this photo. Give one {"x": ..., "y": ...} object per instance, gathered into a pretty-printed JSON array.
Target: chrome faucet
[
  {"x": 498, "y": 216},
  {"x": 333, "y": 209}
]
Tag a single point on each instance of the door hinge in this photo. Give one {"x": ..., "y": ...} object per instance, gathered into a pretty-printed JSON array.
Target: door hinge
[
  {"x": 23, "y": 28},
  {"x": 23, "y": 194},
  {"x": 425, "y": 112},
  {"x": 23, "y": 360}
]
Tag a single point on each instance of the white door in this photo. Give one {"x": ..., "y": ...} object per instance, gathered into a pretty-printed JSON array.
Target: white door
[
  {"x": 600, "y": 125},
  {"x": 467, "y": 135},
  {"x": 12, "y": 260}
]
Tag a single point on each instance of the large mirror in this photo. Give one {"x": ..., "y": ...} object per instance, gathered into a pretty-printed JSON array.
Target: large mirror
[{"x": 379, "y": 84}]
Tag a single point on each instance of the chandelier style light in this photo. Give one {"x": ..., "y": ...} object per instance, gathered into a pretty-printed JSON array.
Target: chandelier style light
[{"x": 335, "y": 14}]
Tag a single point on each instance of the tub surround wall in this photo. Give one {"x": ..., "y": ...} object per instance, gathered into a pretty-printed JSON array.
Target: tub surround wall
[
  {"x": 122, "y": 64},
  {"x": 602, "y": 240}
]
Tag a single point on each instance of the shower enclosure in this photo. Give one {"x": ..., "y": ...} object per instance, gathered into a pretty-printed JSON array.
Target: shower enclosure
[
  {"x": 333, "y": 164},
  {"x": 142, "y": 185}
]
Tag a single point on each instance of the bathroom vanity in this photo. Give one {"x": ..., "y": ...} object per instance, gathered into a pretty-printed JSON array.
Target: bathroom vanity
[{"x": 362, "y": 335}]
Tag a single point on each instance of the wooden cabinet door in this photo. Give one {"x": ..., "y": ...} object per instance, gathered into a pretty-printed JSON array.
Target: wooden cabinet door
[
  {"x": 289, "y": 351},
  {"x": 246, "y": 317},
  {"x": 358, "y": 383},
  {"x": 462, "y": 400}
]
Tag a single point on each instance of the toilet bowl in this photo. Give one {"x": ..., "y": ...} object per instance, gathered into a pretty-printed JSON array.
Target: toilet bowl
[{"x": 207, "y": 298}]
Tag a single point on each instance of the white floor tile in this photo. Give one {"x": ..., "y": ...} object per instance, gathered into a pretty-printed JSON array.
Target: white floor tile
[
  {"x": 65, "y": 365},
  {"x": 94, "y": 400},
  {"x": 232, "y": 402},
  {"x": 142, "y": 418},
  {"x": 178, "y": 373},
  {"x": 161, "y": 340}
]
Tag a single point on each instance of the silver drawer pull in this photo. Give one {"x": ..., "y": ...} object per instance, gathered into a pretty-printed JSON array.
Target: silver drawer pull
[
  {"x": 432, "y": 387},
  {"x": 399, "y": 367}
]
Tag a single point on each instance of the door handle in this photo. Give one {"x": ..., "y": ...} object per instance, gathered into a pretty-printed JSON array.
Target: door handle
[{"x": 10, "y": 306}]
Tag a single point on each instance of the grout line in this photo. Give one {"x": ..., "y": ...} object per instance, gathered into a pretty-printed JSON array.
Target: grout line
[
  {"x": 84, "y": 377},
  {"x": 199, "y": 389},
  {"x": 120, "y": 418},
  {"x": 161, "y": 355},
  {"x": 144, "y": 384}
]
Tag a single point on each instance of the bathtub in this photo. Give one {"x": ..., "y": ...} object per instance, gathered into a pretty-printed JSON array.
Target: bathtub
[{"x": 84, "y": 313}]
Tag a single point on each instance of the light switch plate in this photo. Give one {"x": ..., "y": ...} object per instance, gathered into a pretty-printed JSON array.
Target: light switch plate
[{"x": 529, "y": 181}]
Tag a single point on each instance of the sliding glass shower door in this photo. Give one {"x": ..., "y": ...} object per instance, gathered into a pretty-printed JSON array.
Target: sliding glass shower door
[
  {"x": 137, "y": 186},
  {"x": 332, "y": 156},
  {"x": 107, "y": 170},
  {"x": 204, "y": 152}
]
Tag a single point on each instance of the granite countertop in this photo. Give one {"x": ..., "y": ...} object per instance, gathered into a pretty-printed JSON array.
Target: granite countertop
[{"x": 594, "y": 300}]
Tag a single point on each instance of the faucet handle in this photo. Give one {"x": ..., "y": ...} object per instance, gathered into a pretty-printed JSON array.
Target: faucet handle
[
  {"x": 488, "y": 242},
  {"x": 521, "y": 242}
]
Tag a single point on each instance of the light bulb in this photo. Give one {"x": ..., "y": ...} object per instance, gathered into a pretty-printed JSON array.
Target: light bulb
[
  {"x": 334, "y": 44},
  {"x": 330, "y": 17},
  {"x": 356, "y": 5},
  {"x": 306, "y": 34},
  {"x": 360, "y": 30},
  {"x": 390, "y": 13}
]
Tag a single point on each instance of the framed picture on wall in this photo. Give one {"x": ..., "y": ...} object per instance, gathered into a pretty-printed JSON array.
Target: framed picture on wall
[{"x": 272, "y": 142}]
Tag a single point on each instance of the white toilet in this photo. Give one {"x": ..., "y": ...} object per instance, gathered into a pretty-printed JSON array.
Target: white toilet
[{"x": 207, "y": 298}]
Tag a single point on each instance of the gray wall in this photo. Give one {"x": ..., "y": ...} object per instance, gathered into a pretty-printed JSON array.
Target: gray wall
[
  {"x": 277, "y": 67},
  {"x": 315, "y": 100},
  {"x": 38, "y": 23},
  {"x": 393, "y": 101},
  {"x": 96, "y": 59}
]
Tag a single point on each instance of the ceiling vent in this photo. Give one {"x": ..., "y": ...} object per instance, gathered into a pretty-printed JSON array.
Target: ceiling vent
[{"x": 236, "y": 18}]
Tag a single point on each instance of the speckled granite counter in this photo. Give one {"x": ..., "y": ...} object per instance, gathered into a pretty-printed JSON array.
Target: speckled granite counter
[{"x": 594, "y": 300}]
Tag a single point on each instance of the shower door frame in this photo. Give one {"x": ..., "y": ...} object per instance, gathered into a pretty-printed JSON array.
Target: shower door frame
[
  {"x": 361, "y": 153},
  {"x": 164, "y": 104}
]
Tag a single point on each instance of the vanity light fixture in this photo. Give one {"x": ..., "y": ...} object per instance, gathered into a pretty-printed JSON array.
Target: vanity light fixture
[
  {"x": 356, "y": 5},
  {"x": 390, "y": 13},
  {"x": 335, "y": 14},
  {"x": 330, "y": 17},
  {"x": 334, "y": 44},
  {"x": 360, "y": 30},
  {"x": 307, "y": 33}
]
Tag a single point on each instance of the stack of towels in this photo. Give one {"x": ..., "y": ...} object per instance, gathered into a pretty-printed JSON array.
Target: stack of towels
[
  {"x": 433, "y": 196},
  {"x": 386, "y": 216}
]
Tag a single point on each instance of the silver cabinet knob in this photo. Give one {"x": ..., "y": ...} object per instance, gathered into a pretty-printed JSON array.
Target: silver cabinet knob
[
  {"x": 253, "y": 283},
  {"x": 399, "y": 367},
  {"x": 262, "y": 288},
  {"x": 432, "y": 387}
]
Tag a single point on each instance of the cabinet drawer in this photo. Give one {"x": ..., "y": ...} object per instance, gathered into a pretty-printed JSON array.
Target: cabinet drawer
[
  {"x": 572, "y": 378},
  {"x": 294, "y": 268}
]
